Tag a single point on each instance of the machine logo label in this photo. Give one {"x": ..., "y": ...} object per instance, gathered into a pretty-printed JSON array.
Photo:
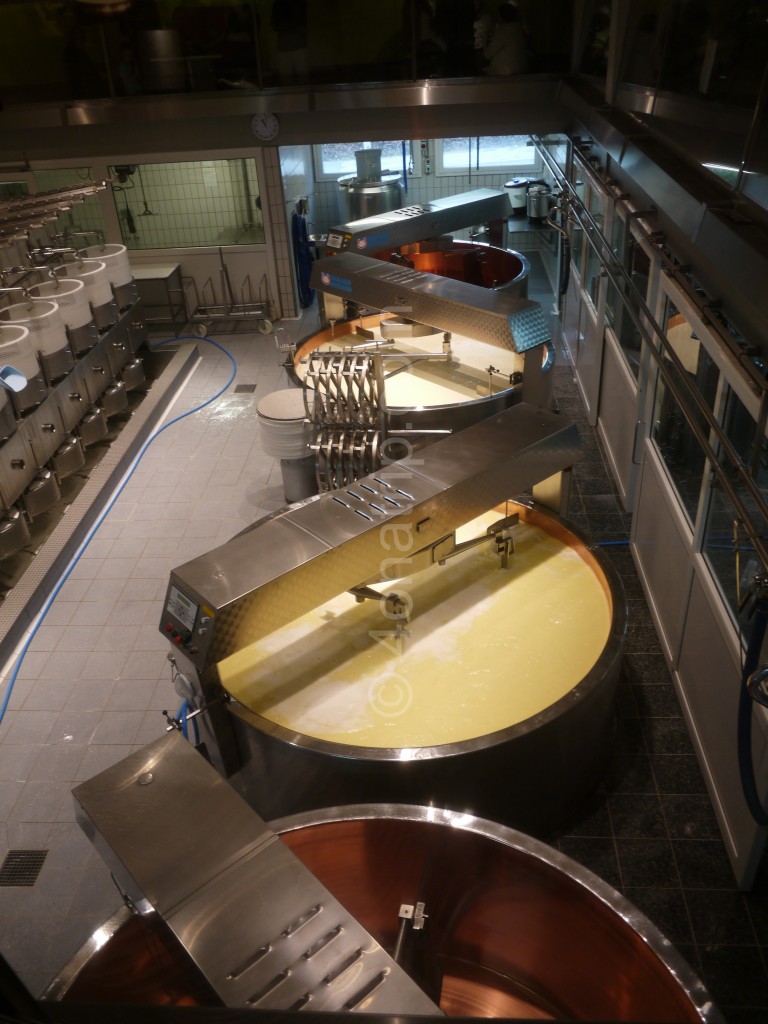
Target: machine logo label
[
  {"x": 379, "y": 239},
  {"x": 342, "y": 284}
]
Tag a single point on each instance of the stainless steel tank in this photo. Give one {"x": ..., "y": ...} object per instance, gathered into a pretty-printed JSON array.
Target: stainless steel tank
[
  {"x": 531, "y": 769},
  {"x": 513, "y": 928},
  {"x": 539, "y": 202},
  {"x": 362, "y": 197},
  {"x": 371, "y": 190}
]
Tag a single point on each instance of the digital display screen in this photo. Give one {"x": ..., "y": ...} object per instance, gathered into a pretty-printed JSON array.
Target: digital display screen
[
  {"x": 181, "y": 608},
  {"x": 333, "y": 240}
]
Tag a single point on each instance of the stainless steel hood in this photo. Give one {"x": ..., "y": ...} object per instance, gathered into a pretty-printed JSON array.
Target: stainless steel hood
[
  {"x": 481, "y": 313},
  {"x": 296, "y": 559},
  {"x": 419, "y": 221},
  {"x": 263, "y": 930}
]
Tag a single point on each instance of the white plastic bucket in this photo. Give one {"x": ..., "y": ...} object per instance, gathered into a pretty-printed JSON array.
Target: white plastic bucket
[
  {"x": 43, "y": 322},
  {"x": 284, "y": 433},
  {"x": 93, "y": 273},
  {"x": 16, "y": 349},
  {"x": 70, "y": 296},
  {"x": 115, "y": 257}
]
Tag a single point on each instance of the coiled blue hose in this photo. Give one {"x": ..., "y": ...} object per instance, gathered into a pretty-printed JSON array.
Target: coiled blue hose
[{"x": 105, "y": 511}]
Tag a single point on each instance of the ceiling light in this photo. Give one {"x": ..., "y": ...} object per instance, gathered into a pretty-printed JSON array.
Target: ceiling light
[{"x": 107, "y": 6}]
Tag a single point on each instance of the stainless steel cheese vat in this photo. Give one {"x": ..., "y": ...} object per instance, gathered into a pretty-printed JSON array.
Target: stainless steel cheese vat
[
  {"x": 531, "y": 775},
  {"x": 513, "y": 928}
]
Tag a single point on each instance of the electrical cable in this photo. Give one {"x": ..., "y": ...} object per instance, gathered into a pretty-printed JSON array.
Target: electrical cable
[{"x": 107, "y": 508}]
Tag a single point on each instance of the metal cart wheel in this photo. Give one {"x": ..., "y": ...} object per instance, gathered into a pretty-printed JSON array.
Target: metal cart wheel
[{"x": 264, "y": 326}]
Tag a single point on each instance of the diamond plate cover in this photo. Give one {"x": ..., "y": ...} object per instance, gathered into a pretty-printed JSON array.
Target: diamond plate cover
[
  {"x": 259, "y": 925},
  {"x": 294, "y": 562},
  {"x": 413, "y": 223},
  {"x": 441, "y": 302}
]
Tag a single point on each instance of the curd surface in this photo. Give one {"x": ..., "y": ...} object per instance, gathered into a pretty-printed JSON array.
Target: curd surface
[
  {"x": 486, "y": 648},
  {"x": 412, "y": 382}
]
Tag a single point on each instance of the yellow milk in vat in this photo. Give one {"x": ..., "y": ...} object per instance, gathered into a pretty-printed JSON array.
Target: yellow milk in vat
[
  {"x": 414, "y": 382},
  {"x": 486, "y": 647}
]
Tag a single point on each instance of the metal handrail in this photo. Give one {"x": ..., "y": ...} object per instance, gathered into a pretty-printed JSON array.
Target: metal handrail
[{"x": 602, "y": 247}]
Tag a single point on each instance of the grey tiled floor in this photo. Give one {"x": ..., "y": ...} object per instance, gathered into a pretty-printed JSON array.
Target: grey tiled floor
[{"x": 96, "y": 679}]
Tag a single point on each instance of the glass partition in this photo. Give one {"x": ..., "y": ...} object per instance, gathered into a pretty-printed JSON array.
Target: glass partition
[
  {"x": 13, "y": 189},
  {"x": 596, "y": 204},
  {"x": 694, "y": 76},
  {"x": 118, "y": 48},
  {"x": 334, "y": 160},
  {"x": 83, "y": 223},
  {"x": 194, "y": 203},
  {"x": 577, "y": 233},
  {"x": 674, "y": 437},
  {"x": 486, "y": 154},
  {"x": 726, "y": 548},
  {"x": 620, "y": 300}
]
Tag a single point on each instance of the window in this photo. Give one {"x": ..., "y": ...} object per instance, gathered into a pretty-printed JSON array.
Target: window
[
  {"x": 596, "y": 205},
  {"x": 195, "y": 203},
  {"x": 83, "y": 217},
  {"x": 677, "y": 444},
  {"x": 487, "y": 154},
  {"x": 577, "y": 233},
  {"x": 729, "y": 554},
  {"x": 618, "y": 301},
  {"x": 337, "y": 159},
  {"x": 13, "y": 190}
]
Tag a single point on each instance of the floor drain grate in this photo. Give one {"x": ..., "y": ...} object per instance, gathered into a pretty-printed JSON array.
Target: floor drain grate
[
  {"x": 245, "y": 389},
  {"x": 21, "y": 867}
]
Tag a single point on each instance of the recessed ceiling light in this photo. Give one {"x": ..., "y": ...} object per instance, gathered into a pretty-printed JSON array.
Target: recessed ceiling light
[{"x": 107, "y": 6}]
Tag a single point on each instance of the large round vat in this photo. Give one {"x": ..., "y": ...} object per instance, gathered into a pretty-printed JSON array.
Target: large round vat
[
  {"x": 496, "y": 696},
  {"x": 487, "y": 266},
  {"x": 435, "y": 383},
  {"x": 514, "y": 929}
]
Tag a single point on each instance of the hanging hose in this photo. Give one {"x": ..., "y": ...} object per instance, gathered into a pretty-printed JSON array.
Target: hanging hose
[
  {"x": 182, "y": 717},
  {"x": 745, "y": 713},
  {"x": 565, "y": 249},
  {"x": 105, "y": 511},
  {"x": 182, "y": 721},
  {"x": 565, "y": 265}
]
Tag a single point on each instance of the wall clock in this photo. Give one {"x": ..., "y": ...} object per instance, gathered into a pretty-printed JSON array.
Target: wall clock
[{"x": 265, "y": 126}]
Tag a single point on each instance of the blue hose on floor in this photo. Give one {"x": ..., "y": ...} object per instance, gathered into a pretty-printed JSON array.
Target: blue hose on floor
[{"x": 105, "y": 511}]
